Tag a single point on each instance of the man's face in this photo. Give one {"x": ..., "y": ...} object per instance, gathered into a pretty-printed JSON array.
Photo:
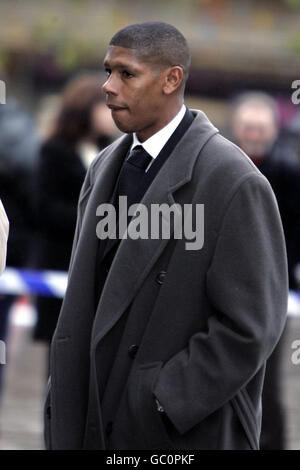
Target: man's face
[
  {"x": 254, "y": 129},
  {"x": 134, "y": 92}
]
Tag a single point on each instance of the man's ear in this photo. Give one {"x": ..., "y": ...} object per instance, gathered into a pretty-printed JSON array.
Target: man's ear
[{"x": 173, "y": 79}]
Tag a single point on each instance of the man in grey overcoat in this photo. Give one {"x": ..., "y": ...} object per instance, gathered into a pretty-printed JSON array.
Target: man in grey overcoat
[{"x": 162, "y": 344}]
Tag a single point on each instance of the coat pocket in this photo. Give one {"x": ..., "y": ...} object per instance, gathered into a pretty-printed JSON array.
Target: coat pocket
[
  {"x": 151, "y": 421},
  {"x": 244, "y": 409}
]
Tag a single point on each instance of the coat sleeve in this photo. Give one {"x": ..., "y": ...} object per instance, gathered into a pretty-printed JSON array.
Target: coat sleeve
[
  {"x": 247, "y": 285},
  {"x": 4, "y": 229}
]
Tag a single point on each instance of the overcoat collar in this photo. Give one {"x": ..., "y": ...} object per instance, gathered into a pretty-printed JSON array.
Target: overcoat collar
[{"x": 134, "y": 258}]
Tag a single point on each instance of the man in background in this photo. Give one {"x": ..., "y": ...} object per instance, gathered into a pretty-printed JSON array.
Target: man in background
[{"x": 255, "y": 128}]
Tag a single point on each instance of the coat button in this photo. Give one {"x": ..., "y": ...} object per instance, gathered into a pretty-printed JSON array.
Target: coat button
[
  {"x": 161, "y": 277},
  {"x": 109, "y": 428},
  {"x": 132, "y": 350}
]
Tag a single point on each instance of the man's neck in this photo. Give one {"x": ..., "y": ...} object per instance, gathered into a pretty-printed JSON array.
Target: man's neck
[
  {"x": 168, "y": 117},
  {"x": 156, "y": 142}
]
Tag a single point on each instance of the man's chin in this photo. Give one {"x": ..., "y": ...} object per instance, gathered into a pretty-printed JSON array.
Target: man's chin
[{"x": 123, "y": 127}]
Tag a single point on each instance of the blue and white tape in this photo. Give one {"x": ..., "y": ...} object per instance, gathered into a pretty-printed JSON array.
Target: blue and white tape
[
  {"x": 54, "y": 283},
  {"x": 28, "y": 281}
]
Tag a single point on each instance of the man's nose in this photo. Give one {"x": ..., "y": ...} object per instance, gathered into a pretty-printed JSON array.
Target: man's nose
[{"x": 110, "y": 87}]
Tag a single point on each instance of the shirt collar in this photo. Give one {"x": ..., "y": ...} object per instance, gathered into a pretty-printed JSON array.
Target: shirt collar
[{"x": 157, "y": 141}]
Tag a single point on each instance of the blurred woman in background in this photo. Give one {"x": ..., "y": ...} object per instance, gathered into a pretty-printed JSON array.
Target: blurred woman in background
[
  {"x": 83, "y": 127},
  {"x": 19, "y": 147}
]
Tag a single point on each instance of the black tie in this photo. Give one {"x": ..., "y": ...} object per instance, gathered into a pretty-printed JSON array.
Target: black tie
[{"x": 132, "y": 173}]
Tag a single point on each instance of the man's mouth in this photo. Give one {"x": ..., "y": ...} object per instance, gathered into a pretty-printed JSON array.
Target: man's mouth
[{"x": 115, "y": 107}]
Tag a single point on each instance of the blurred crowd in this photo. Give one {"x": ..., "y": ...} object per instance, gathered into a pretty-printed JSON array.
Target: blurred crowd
[{"x": 40, "y": 181}]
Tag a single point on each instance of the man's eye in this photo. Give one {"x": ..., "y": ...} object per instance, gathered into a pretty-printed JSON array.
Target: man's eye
[
  {"x": 127, "y": 74},
  {"x": 108, "y": 72}
]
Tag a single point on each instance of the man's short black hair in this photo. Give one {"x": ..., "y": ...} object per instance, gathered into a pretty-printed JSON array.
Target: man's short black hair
[{"x": 156, "y": 42}]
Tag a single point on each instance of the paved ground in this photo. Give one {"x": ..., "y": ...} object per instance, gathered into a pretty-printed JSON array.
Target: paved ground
[
  {"x": 21, "y": 407},
  {"x": 21, "y": 411}
]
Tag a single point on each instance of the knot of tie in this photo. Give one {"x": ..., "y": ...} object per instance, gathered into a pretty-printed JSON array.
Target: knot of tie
[{"x": 139, "y": 157}]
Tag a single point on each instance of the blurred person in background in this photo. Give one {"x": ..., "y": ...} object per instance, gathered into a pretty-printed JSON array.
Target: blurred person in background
[
  {"x": 4, "y": 229},
  {"x": 292, "y": 131},
  {"x": 83, "y": 126},
  {"x": 19, "y": 146},
  {"x": 255, "y": 128}
]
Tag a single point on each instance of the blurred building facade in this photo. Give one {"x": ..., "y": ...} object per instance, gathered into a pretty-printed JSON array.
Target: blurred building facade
[{"x": 235, "y": 45}]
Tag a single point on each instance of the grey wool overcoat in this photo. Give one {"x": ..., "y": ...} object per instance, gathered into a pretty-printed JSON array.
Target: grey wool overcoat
[{"x": 192, "y": 328}]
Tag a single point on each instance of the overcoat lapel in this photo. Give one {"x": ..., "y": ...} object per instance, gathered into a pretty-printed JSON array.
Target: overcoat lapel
[{"x": 134, "y": 258}]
